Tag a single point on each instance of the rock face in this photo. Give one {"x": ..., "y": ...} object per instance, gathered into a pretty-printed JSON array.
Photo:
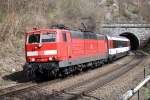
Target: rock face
[{"x": 124, "y": 10}]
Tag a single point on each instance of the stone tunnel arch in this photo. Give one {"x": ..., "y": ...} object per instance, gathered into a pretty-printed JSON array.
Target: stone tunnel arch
[{"x": 134, "y": 41}]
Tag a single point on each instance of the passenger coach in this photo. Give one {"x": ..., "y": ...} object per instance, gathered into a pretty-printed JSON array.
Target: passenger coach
[{"x": 118, "y": 46}]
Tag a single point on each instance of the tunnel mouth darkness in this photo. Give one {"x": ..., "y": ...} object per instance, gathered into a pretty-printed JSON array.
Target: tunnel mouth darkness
[{"x": 134, "y": 41}]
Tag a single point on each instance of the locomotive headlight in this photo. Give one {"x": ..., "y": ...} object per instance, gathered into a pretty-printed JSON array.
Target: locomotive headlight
[
  {"x": 50, "y": 58},
  {"x": 33, "y": 59},
  {"x": 40, "y": 45}
]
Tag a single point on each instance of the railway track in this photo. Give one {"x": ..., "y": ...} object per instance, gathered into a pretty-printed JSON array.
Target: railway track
[
  {"x": 16, "y": 88},
  {"x": 79, "y": 90},
  {"x": 74, "y": 91},
  {"x": 24, "y": 87}
]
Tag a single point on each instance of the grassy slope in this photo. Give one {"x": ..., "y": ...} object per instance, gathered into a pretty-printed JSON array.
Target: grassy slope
[{"x": 147, "y": 47}]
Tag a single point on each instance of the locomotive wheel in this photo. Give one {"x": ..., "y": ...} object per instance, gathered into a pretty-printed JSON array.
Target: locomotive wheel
[
  {"x": 29, "y": 73},
  {"x": 110, "y": 60},
  {"x": 53, "y": 73},
  {"x": 64, "y": 72},
  {"x": 47, "y": 74},
  {"x": 38, "y": 75}
]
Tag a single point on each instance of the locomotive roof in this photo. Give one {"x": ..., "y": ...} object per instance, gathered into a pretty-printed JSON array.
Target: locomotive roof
[{"x": 36, "y": 31}]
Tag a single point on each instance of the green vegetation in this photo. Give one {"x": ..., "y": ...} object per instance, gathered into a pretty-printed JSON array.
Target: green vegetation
[
  {"x": 109, "y": 2},
  {"x": 5, "y": 82},
  {"x": 147, "y": 47},
  {"x": 2, "y": 15},
  {"x": 147, "y": 93}
]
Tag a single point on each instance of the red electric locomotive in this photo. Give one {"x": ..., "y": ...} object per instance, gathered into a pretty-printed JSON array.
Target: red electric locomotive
[{"x": 58, "y": 51}]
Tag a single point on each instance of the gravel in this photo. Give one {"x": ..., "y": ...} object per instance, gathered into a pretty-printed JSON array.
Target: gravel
[{"x": 114, "y": 89}]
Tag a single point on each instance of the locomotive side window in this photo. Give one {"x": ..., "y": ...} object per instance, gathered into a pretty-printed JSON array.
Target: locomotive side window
[
  {"x": 115, "y": 44},
  {"x": 88, "y": 35},
  {"x": 49, "y": 37},
  {"x": 100, "y": 37},
  {"x": 119, "y": 44},
  {"x": 76, "y": 35},
  {"x": 34, "y": 38},
  {"x": 92, "y": 36},
  {"x": 64, "y": 36}
]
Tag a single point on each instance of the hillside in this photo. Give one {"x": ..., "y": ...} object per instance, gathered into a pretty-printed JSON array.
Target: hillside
[
  {"x": 17, "y": 17},
  {"x": 147, "y": 47}
]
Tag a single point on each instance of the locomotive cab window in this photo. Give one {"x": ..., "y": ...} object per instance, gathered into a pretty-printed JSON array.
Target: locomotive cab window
[
  {"x": 48, "y": 37},
  {"x": 34, "y": 38}
]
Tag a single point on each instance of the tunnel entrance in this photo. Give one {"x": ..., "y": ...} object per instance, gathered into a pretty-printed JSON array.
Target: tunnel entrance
[{"x": 134, "y": 41}]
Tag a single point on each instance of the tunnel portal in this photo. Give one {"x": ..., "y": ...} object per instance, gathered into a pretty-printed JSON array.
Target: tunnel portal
[{"x": 134, "y": 41}]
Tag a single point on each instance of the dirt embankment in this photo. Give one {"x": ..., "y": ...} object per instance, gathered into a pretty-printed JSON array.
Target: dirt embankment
[{"x": 147, "y": 47}]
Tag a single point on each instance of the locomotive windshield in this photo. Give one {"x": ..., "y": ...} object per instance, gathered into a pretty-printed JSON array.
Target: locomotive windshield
[
  {"x": 49, "y": 37},
  {"x": 45, "y": 37},
  {"x": 34, "y": 38}
]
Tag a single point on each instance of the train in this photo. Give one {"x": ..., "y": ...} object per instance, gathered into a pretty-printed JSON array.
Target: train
[{"x": 59, "y": 51}]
